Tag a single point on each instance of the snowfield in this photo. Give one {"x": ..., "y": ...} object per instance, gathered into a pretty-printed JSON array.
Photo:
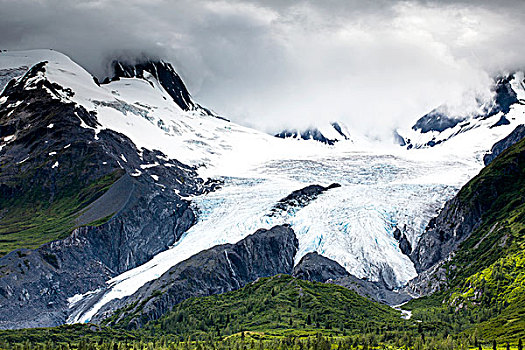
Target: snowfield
[{"x": 383, "y": 186}]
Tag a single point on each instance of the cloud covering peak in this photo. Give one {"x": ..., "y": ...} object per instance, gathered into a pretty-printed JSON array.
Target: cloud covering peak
[{"x": 275, "y": 64}]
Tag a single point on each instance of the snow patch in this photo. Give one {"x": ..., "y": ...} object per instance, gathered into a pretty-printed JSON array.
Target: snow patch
[
  {"x": 23, "y": 160},
  {"x": 147, "y": 166}
]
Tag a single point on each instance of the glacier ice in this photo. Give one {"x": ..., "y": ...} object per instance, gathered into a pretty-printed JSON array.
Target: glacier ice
[{"x": 382, "y": 186}]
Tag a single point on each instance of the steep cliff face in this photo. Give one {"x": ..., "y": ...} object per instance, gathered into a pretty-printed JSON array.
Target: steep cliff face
[
  {"x": 74, "y": 191},
  {"x": 165, "y": 74},
  {"x": 217, "y": 270},
  {"x": 446, "y": 231},
  {"x": 317, "y": 268},
  {"x": 475, "y": 228},
  {"x": 515, "y": 136}
]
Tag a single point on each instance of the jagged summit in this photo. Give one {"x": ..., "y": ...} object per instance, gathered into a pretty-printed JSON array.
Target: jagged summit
[
  {"x": 441, "y": 125},
  {"x": 438, "y": 120},
  {"x": 165, "y": 74},
  {"x": 329, "y": 134}
]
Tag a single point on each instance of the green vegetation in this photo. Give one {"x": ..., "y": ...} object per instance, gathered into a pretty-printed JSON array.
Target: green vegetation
[
  {"x": 483, "y": 306},
  {"x": 63, "y": 335},
  {"x": 485, "y": 297},
  {"x": 28, "y": 221},
  {"x": 279, "y": 312},
  {"x": 279, "y": 305},
  {"x": 500, "y": 188}
]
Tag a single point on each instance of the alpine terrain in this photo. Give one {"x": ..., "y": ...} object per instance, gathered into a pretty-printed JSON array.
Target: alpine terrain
[{"x": 131, "y": 216}]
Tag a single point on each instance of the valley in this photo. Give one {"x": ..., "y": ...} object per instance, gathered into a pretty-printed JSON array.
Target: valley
[{"x": 183, "y": 187}]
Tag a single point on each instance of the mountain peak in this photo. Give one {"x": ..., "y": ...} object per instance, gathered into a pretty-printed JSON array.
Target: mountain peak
[
  {"x": 328, "y": 134},
  {"x": 164, "y": 73}
]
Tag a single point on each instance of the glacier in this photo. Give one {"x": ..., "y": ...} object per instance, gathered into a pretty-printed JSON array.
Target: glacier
[{"x": 383, "y": 186}]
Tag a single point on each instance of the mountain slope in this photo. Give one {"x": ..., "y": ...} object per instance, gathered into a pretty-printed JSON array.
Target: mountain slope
[
  {"x": 72, "y": 188},
  {"x": 486, "y": 205},
  {"x": 217, "y": 270},
  {"x": 135, "y": 126},
  {"x": 481, "y": 240},
  {"x": 275, "y": 304},
  {"x": 499, "y": 112}
]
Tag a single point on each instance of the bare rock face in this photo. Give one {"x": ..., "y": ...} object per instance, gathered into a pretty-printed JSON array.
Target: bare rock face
[
  {"x": 515, "y": 136},
  {"x": 166, "y": 75},
  {"x": 217, "y": 270},
  {"x": 300, "y": 198},
  {"x": 445, "y": 232},
  {"x": 53, "y": 153},
  {"x": 317, "y": 268},
  {"x": 478, "y": 205}
]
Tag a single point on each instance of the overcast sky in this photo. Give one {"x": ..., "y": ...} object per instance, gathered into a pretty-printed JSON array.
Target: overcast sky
[{"x": 374, "y": 65}]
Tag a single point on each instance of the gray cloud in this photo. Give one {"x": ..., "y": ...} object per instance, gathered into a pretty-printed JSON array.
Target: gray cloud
[{"x": 272, "y": 64}]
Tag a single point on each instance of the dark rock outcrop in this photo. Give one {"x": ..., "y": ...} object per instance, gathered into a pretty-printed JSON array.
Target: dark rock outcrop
[
  {"x": 317, "y": 268},
  {"x": 300, "y": 198},
  {"x": 217, "y": 270},
  {"x": 165, "y": 74},
  {"x": 515, "y": 136},
  {"x": 339, "y": 129},
  {"x": 436, "y": 121},
  {"x": 505, "y": 96},
  {"x": 404, "y": 243},
  {"x": 313, "y": 134},
  {"x": 55, "y": 152},
  {"x": 308, "y": 134},
  {"x": 502, "y": 121}
]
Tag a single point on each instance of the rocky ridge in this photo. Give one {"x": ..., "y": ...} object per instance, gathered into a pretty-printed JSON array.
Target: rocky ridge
[{"x": 52, "y": 152}]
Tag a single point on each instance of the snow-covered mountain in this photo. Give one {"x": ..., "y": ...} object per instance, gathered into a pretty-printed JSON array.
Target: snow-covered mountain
[
  {"x": 384, "y": 189},
  {"x": 503, "y": 109},
  {"x": 328, "y": 134}
]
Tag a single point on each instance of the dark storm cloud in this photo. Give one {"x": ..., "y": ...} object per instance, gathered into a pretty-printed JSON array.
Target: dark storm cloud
[{"x": 372, "y": 64}]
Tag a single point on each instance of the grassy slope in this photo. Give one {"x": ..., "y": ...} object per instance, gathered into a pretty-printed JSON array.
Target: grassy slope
[
  {"x": 260, "y": 312},
  {"x": 64, "y": 334},
  {"x": 28, "y": 222},
  {"x": 258, "y": 316},
  {"x": 486, "y": 297},
  {"x": 279, "y": 305}
]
